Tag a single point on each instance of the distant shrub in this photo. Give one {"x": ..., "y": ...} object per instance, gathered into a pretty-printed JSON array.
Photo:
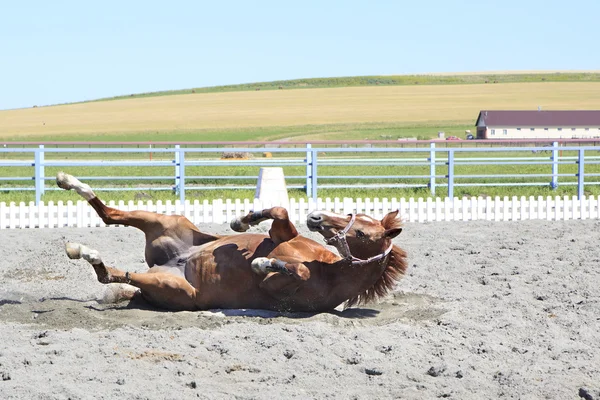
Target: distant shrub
[{"x": 236, "y": 155}]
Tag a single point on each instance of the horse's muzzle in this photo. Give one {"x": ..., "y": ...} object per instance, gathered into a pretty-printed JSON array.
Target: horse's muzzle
[{"x": 314, "y": 221}]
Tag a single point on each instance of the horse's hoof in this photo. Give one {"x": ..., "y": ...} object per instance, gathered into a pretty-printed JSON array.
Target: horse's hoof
[
  {"x": 260, "y": 264},
  {"x": 276, "y": 265},
  {"x": 73, "y": 250},
  {"x": 238, "y": 226},
  {"x": 62, "y": 181},
  {"x": 119, "y": 292}
]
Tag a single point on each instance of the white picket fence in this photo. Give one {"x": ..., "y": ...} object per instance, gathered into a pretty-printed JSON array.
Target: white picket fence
[{"x": 81, "y": 214}]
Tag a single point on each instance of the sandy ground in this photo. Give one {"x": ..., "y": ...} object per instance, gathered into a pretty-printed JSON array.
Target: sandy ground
[{"x": 487, "y": 310}]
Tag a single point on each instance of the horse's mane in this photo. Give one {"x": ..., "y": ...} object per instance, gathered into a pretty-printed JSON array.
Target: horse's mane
[{"x": 394, "y": 271}]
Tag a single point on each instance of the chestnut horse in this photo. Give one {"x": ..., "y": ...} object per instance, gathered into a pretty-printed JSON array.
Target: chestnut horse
[{"x": 192, "y": 270}]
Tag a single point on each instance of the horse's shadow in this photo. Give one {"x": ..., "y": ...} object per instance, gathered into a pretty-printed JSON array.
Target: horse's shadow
[
  {"x": 357, "y": 313},
  {"x": 138, "y": 303},
  {"x": 352, "y": 313}
]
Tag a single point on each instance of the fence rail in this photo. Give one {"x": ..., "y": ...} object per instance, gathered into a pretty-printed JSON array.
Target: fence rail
[
  {"x": 80, "y": 214},
  {"x": 437, "y": 166}
]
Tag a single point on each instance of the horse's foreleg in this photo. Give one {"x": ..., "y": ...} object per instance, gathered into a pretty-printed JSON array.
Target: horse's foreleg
[
  {"x": 244, "y": 223},
  {"x": 282, "y": 229},
  {"x": 282, "y": 279},
  {"x": 264, "y": 266},
  {"x": 161, "y": 289}
]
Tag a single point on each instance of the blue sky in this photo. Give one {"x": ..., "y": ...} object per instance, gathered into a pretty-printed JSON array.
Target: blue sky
[{"x": 67, "y": 51}]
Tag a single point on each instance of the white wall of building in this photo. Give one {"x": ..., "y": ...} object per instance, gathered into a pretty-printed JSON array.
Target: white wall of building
[{"x": 542, "y": 132}]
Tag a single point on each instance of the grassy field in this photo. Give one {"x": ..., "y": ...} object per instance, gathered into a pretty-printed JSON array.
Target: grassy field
[
  {"x": 297, "y": 194},
  {"x": 353, "y": 108},
  {"x": 339, "y": 113},
  {"x": 391, "y": 80},
  {"x": 336, "y": 132}
]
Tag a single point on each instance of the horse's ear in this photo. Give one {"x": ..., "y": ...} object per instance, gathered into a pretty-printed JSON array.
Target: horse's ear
[
  {"x": 392, "y": 233},
  {"x": 392, "y": 224},
  {"x": 390, "y": 219}
]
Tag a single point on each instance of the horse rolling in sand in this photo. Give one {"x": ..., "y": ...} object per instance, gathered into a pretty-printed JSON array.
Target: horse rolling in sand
[{"x": 192, "y": 270}]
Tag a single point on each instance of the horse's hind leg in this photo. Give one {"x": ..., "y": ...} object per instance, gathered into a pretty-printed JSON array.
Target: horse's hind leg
[
  {"x": 161, "y": 289},
  {"x": 111, "y": 216},
  {"x": 167, "y": 236},
  {"x": 282, "y": 229},
  {"x": 145, "y": 220},
  {"x": 104, "y": 274}
]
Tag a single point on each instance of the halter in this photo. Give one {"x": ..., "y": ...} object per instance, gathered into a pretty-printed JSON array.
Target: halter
[{"x": 341, "y": 244}]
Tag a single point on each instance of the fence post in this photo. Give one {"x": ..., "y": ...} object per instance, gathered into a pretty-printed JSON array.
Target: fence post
[
  {"x": 313, "y": 175},
  {"x": 580, "y": 173},
  {"x": 177, "y": 169},
  {"x": 451, "y": 174},
  {"x": 554, "y": 183},
  {"x": 432, "y": 168},
  {"x": 39, "y": 173},
  {"x": 181, "y": 175},
  {"x": 308, "y": 169}
]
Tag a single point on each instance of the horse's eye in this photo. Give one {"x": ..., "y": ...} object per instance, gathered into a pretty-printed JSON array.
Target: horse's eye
[{"x": 360, "y": 234}]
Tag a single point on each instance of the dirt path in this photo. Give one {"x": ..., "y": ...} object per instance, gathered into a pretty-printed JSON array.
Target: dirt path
[{"x": 488, "y": 310}]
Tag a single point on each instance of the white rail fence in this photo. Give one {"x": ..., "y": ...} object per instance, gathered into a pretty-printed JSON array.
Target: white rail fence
[{"x": 81, "y": 214}]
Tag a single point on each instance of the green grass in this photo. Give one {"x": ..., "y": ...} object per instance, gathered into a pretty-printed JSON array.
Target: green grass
[
  {"x": 297, "y": 194},
  {"x": 383, "y": 80},
  {"x": 303, "y": 133},
  {"x": 355, "y": 185}
]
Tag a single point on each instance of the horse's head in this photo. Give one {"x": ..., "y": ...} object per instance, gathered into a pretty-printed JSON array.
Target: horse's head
[
  {"x": 367, "y": 243},
  {"x": 365, "y": 236}
]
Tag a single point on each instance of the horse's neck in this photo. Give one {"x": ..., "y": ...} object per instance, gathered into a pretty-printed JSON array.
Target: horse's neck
[{"x": 352, "y": 280}]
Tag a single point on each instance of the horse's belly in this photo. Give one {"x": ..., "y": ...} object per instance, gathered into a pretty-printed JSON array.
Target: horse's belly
[
  {"x": 221, "y": 272},
  {"x": 220, "y": 266}
]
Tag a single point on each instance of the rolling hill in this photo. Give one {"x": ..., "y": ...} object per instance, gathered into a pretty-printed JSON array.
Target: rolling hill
[{"x": 311, "y": 109}]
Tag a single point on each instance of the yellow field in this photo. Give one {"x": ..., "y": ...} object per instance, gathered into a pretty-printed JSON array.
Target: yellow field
[{"x": 416, "y": 105}]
